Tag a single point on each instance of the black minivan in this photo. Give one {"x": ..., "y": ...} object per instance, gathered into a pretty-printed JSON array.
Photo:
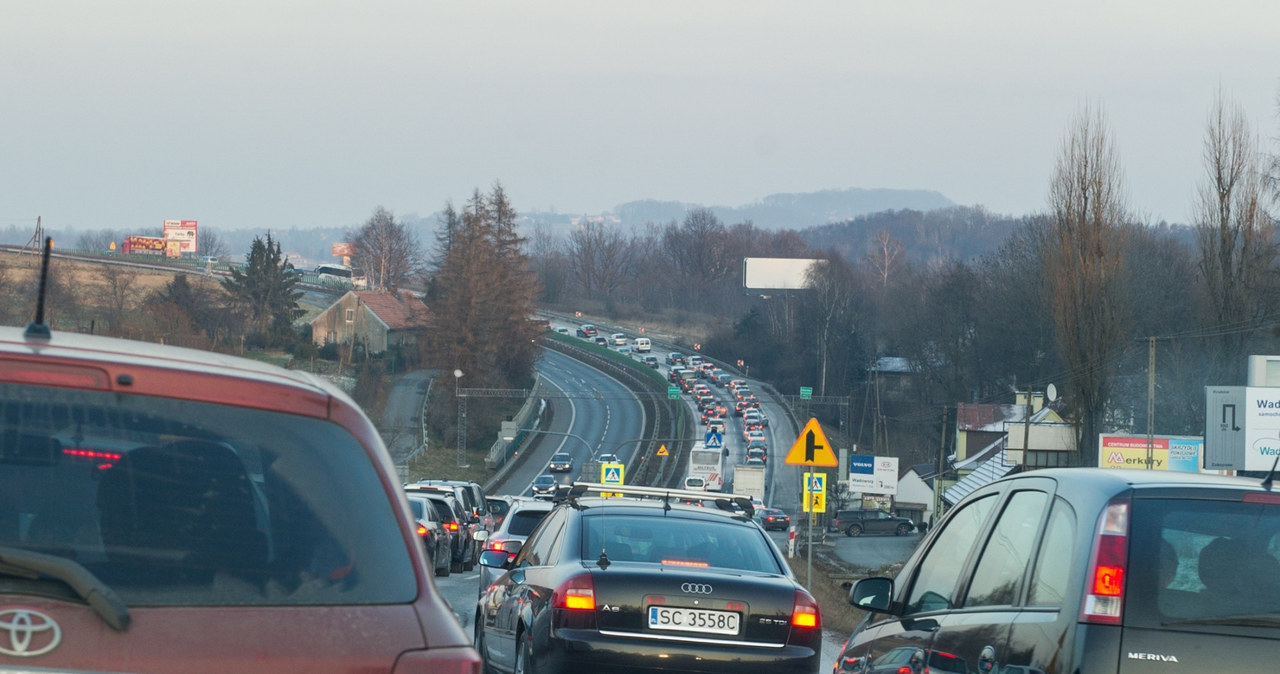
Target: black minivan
[{"x": 1088, "y": 570}]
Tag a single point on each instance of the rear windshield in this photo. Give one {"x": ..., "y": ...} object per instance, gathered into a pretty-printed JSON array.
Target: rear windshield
[
  {"x": 1197, "y": 561},
  {"x": 177, "y": 502},
  {"x": 677, "y": 541},
  {"x": 524, "y": 521}
]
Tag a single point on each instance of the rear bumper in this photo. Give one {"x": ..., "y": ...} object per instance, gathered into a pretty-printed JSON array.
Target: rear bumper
[{"x": 589, "y": 652}]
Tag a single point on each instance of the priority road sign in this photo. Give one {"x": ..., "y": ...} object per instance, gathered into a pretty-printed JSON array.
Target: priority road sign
[{"x": 811, "y": 448}]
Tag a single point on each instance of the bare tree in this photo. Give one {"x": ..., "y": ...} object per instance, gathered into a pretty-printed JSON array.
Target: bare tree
[
  {"x": 601, "y": 259},
  {"x": 1082, "y": 265},
  {"x": 117, "y": 293},
  {"x": 1236, "y": 237},
  {"x": 885, "y": 257},
  {"x": 209, "y": 243},
  {"x": 386, "y": 250},
  {"x": 98, "y": 241}
]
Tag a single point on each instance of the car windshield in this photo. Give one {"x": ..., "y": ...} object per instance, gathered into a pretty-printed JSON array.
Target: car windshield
[
  {"x": 176, "y": 502},
  {"x": 1208, "y": 562},
  {"x": 678, "y": 541}
]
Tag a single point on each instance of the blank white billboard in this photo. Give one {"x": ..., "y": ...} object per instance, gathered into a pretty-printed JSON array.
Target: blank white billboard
[{"x": 776, "y": 273}]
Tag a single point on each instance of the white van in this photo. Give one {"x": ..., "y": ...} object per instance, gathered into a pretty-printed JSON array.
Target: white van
[{"x": 642, "y": 344}]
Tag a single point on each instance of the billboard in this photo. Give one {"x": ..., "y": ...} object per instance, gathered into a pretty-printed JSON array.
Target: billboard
[
  {"x": 1168, "y": 452},
  {"x": 873, "y": 474},
  {"x": 143, "y": 245},
  {"x": 182, "y": 231},
  {"x": 344, "y": 250},
  {"x": 776, "y": 273}
]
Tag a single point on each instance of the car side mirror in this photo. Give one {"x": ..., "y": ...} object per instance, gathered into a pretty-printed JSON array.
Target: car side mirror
[
  {"x": 480, "y": 534},
  {"x": 872, "y": 594}
]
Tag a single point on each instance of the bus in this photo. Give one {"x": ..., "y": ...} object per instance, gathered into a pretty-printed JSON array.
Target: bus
[
  {"x": 707, "y": 464},
  {"x": 341, "y": 275}
]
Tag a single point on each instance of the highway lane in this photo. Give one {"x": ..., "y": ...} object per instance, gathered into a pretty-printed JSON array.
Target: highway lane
[{"x": 597, "y": 409}]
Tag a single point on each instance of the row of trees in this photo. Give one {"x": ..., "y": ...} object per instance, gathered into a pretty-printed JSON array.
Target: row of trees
[{"x": 1071, "y": 297}]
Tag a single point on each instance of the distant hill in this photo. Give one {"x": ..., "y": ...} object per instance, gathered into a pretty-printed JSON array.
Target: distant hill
[
  {"x": 790, "y": 211},
  {"x": 962, "y": 233}
]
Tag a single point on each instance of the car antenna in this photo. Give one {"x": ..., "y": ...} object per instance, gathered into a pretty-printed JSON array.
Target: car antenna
[
  {"x": 1271, "y": 474},
  {"x": 38, "y": 329}
]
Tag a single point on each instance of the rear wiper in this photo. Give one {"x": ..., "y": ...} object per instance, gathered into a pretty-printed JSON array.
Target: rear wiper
[
  {"x": 35, "y": 565},
  {"x": 1250, "y": 620}
]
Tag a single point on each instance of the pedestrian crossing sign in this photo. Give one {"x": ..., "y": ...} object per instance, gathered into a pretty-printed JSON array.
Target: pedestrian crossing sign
[
  {"x": 611, "y": 473},
  {"x": 714, "y": 440}
]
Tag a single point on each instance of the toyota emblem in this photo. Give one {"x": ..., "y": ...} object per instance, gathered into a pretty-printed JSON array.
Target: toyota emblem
[
  {"x": 25, "y": 633},
  {"x": 696, "y": 588}
]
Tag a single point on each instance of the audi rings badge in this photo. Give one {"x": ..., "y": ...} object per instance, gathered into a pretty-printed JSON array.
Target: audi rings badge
[
  {"x": 25, "y": 633},
  {"x": 695, "y": 588}
]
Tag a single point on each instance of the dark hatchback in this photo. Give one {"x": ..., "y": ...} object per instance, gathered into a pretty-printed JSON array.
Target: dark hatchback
[
  {"x": 631, "y": 585},
  {"x": 1089, "y": 570}
]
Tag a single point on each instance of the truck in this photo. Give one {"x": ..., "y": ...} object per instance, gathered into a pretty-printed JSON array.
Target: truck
[{"x": 749, "y": 480}]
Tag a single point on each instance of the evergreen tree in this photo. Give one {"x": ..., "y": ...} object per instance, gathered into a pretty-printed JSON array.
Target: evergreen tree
[{"x": 265, "y": 292}]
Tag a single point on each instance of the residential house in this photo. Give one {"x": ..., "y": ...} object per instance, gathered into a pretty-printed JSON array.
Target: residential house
[{"x": 377, "y": 320}]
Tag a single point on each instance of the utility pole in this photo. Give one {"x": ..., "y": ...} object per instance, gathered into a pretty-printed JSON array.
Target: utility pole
[{"x": 1151, "y": 400}]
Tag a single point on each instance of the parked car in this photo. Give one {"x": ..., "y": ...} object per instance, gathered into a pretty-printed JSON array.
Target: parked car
[
  {"x": 561, "y": 462},
  {"x": 870, "y": 521},
  {"x": 522, "y": 518},
  {"x": 772, "y": 518},
  {"x": 1090, "y": 570},
  {"x": 164, "y": 509},
  {"x": 647, "y": 584},
  {"x": 434, "y": 536}
]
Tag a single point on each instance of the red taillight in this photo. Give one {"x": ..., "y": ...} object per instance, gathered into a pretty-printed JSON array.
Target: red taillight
[
  {"x": 422, "y": 531},
  {"x": 1103, "y": 600},
  {"x": 576, "y": 594},
  {"x": 805, "y": 614},
  {"x": 451, "y": 526},
  {"x": 52, "y": 374},
  {"x": 496, "y": 545}
]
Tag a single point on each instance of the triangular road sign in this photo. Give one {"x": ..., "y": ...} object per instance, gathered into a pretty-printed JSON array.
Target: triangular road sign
[
  {"x": 662, "y": 450},
  {"x": 812, "y": 448}
]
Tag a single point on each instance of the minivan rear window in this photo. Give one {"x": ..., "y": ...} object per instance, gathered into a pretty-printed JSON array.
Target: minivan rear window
[
  {"x": 1203, "y": 563},
  {"x": 174, "y": 502}
]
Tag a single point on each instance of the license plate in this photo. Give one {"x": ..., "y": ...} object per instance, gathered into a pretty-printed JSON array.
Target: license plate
[{"x": 693, "y": 620}]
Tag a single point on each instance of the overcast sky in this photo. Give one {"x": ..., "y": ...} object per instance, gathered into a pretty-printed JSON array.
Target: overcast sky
[{"x": 272, "y": 114}]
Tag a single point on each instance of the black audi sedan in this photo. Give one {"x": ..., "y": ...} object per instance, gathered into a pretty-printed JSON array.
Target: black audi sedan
[{"x": 642, "y": 583}]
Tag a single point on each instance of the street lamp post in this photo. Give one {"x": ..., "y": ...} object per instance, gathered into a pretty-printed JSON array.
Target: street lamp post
[
  {"x": 462, "y": 421},
  {"x": 579, "y": 438}
]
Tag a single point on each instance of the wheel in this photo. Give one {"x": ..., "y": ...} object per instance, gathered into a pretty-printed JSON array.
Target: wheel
[
  {"x": 443, "y": 569},
  {"x": 471, "y": 561},
  {"x": 455, "y": 564},
  {"x": 478, "y": 643},
  {"x": 524, "y": 654},
  {"x": 903, "y": 529},
  {"x": 853, "y": 530}
]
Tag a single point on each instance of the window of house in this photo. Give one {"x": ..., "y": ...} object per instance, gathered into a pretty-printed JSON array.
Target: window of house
[{"x": 351, "y": 315}]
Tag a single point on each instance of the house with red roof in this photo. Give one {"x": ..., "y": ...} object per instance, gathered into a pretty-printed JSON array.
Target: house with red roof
[{"x": 375, "y": 319}]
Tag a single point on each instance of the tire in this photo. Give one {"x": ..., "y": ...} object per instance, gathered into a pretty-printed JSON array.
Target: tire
[
  {"x": 455, "y": 565},
  {"x": 903, "y": 529},
  {"x": 477, "y": 642},
  {"x": 524, "y": 655},
  {"x": 445, "y": 569},
  {"x": 853, "y": 530},
  {"x": 471, "y": 561}
]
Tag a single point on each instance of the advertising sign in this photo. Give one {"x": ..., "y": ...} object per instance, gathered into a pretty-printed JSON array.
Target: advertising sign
[
  {"x": 143, "y": 245},
  {"x": 343, "y": 250},
  {"x": 1261, "y": 427},
  {"x": 182, "y": 231},
  {"x": 1168, "y": 452},
  {"x": 873, "y": 474}
]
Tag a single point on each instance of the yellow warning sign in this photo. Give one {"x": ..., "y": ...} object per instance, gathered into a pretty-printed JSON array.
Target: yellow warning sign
[
  {"x": 662, "y": 450},
  {"x": 812, "y": 448},
  {"x": 814, "y": 492}
]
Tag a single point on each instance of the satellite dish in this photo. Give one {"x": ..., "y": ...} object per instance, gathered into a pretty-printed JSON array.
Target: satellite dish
[{"x": 1051, "y": 393}]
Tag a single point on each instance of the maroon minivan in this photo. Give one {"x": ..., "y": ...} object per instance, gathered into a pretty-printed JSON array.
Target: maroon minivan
[{"x": 171, "y": 510}]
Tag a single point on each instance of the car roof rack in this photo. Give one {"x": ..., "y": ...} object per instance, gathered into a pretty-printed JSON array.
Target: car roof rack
[{"x": 724, "y": 501}]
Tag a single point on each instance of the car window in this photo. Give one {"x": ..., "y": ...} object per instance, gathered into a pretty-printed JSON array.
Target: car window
[
  {"x": 1201, "y": 560},
  {"x": 174, "y": 502},
  {"x": 524, "y": 521},
  {"x": 537, "y": 550},
  {"x": 1053, "y": 563},
  {"x": 676, "y": 541},
  {"x": 998, "y": 576},
  {"x": 935, "y": 582}
]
